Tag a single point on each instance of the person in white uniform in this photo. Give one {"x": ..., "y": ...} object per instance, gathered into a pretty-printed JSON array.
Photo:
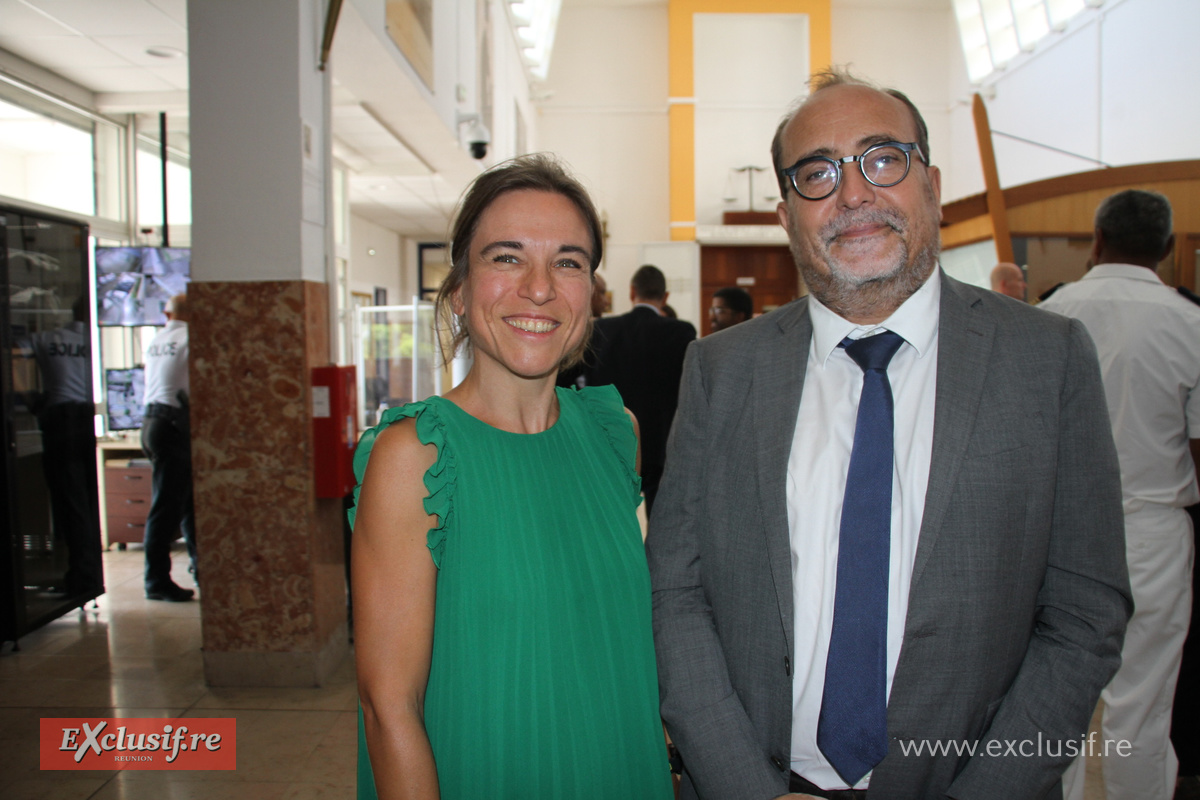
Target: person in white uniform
[
  {"x": 1148, "y": 338},
  {"x": 166, "y": 438},
  {"x": 65, "y": 415}
]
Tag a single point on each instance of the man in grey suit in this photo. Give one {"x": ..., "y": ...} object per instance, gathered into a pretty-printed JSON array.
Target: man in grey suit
[{"x": 821, "y": 628}]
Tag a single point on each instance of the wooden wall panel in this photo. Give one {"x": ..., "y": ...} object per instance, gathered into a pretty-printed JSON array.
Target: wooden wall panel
[
  {"x": 978, "y": 229},
  {"x": 1074, "y": 212},
  {"x": 1064, "y": 207},
  {"x": 776, "y": 279}
]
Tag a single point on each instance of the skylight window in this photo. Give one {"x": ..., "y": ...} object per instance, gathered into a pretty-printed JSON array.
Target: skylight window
[
  {"x": 994, "y": 32},
  {"x": 534, "y": 22}
]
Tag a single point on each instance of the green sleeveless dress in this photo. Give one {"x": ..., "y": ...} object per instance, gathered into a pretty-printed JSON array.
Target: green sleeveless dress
[{"x": 542, "y": 681}]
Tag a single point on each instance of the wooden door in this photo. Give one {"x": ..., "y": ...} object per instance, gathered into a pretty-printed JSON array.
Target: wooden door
[{"x": 767, "y": 272}]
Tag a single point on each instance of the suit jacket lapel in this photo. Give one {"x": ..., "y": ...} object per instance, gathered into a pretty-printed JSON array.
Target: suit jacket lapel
[
  {"x": 780, "y": 363},
  {"x": 965, "y": 338}
]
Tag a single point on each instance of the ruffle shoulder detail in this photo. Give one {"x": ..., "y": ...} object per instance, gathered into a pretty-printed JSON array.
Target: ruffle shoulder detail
[
  {"x": 439, "y": 478},
  {"x": 604, "y": 405}
]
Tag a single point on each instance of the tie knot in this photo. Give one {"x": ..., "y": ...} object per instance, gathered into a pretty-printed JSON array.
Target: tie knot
[{"x": 873, "y": 352}]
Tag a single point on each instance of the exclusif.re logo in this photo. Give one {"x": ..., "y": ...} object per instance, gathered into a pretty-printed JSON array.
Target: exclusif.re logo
[{"x": 128, "y": 743}]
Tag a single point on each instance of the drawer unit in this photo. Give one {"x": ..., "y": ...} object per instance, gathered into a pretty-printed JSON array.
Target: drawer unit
[{"x": 127, "y": 492}]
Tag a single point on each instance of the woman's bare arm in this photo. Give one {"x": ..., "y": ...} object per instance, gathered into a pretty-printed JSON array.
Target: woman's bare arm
[{"x": 394, "y": 582}]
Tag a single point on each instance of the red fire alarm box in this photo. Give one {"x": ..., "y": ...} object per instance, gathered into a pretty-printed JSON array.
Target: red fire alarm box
[{"x": 335, "y": 434}]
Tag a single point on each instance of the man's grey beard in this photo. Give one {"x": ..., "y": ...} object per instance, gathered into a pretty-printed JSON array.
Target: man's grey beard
[{"x": 851, "y": 297}]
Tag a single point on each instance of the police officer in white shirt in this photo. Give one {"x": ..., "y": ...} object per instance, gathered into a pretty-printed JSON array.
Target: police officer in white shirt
[
  {"x": 1148, "y": 338},
  {"x": 166, "y": 438},
  {"x": 65, "y": 416}
]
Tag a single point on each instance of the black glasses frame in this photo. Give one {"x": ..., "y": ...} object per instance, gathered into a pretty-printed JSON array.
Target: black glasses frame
[{"x": 905, "y": 147}]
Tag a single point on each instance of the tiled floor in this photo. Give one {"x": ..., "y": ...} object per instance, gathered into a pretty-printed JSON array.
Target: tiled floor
[{"x": 131, "y": 657}]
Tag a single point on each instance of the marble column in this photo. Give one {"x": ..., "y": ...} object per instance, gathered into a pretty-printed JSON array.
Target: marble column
[{"x": 273, "y": 590}]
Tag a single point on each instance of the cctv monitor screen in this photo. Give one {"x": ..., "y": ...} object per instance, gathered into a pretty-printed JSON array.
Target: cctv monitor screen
[
  {"x": 125, "y": 391},
  {"x": 133, "y": 284}
]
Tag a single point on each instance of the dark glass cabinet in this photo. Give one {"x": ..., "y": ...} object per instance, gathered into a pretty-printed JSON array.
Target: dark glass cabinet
[{"x": 49, "y": 502}]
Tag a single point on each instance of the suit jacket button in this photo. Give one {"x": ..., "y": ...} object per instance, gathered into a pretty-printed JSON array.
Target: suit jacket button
[{"x": 778, "y": 762}]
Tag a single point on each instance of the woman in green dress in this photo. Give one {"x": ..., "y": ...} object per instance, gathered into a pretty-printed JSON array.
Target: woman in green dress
[{"x": 501, "y": 595}]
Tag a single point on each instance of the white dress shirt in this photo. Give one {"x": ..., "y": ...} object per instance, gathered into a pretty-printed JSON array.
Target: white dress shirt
[
  {"x": 167, "y": 364},
  {"x": 1148, "y": 339},
  {"x": 64, "y": 357},
  {"x": 816, "y": 483}
]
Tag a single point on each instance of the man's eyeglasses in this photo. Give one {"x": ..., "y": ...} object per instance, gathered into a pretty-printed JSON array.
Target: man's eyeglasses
[{"x": 884, "y": 164}]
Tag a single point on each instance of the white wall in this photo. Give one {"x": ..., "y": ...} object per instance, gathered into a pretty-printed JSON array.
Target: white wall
[
  {"x": 607, "y": 118},
  {"x": 748, "y": 69},
  {"x": 1150, "y": 106},
  {"x": 1115, "y": 87},
  {"x": 257, "y": 202},
  {"x": 1063, "y": 115},
  {"x": 451, "y": 66},
  {"x": 511, "y": 104},
  {"x": 384, "y": 268},
  {"x": 916, "y": 51},
  {"x": 409, "y": 279}
]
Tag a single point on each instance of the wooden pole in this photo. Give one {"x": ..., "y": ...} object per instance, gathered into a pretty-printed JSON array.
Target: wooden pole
[{"x": 991, "y": 181}]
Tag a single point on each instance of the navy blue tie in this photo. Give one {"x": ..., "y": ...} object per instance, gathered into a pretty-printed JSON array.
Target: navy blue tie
[{"x": 852, "y": 729}]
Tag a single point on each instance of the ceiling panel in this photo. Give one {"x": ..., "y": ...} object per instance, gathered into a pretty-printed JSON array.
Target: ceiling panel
[
  {"x": 109, "y": 17},
  {"x": 21, "y": 20},
  {"x": 175, "y": 9},
  {"x": 133, "y": 48},
  {"x": 174, "y": 73},
  {"x": 116, "y": 79},
  {"x": 378, "y": 148},
  {"x": 58, "y": 52}
]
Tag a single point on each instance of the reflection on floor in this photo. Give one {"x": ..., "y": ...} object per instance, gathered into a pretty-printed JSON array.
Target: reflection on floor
[{"x": 132, "y": 657}]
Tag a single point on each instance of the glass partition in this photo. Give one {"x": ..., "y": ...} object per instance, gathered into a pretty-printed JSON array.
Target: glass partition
[
  {"x": 397, "y": 358},
  {"x": 51, "y": 508}
]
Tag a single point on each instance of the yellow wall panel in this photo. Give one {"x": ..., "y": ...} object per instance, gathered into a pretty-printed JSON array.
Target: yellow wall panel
[{"x": 681, "y": 84}]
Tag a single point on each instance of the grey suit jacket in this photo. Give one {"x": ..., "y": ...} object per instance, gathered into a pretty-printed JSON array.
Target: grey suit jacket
[{"x": 1019, "y": 594}]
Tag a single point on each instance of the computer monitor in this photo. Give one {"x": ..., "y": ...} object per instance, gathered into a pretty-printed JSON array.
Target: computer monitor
[
  {"x": 134, "y": 283},
  {"x": 125, "y": 391}
]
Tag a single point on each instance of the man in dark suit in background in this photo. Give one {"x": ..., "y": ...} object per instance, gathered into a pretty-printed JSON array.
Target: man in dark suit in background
[
  {"x": 641, "y": 353},
  {"x": 891, "y": 516}
]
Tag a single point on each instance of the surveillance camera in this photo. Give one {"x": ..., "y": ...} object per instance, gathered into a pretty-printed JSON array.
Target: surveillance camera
[{"x": 476, "y": 135}]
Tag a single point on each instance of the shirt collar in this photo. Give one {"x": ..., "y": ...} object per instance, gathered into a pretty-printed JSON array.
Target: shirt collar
[
  {"x": 1126, "y": 271},
  {"x": 647, "y": 305},
  {"x": 916, "y": 320}
]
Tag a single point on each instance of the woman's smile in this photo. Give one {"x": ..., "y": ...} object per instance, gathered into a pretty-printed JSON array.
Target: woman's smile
[{"x": 532, "y": 324}]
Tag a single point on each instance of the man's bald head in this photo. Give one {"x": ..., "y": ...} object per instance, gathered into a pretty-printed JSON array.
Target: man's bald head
[
  {"x": 177, "y": 308},
  {"x": 1008, "y": 279}
]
